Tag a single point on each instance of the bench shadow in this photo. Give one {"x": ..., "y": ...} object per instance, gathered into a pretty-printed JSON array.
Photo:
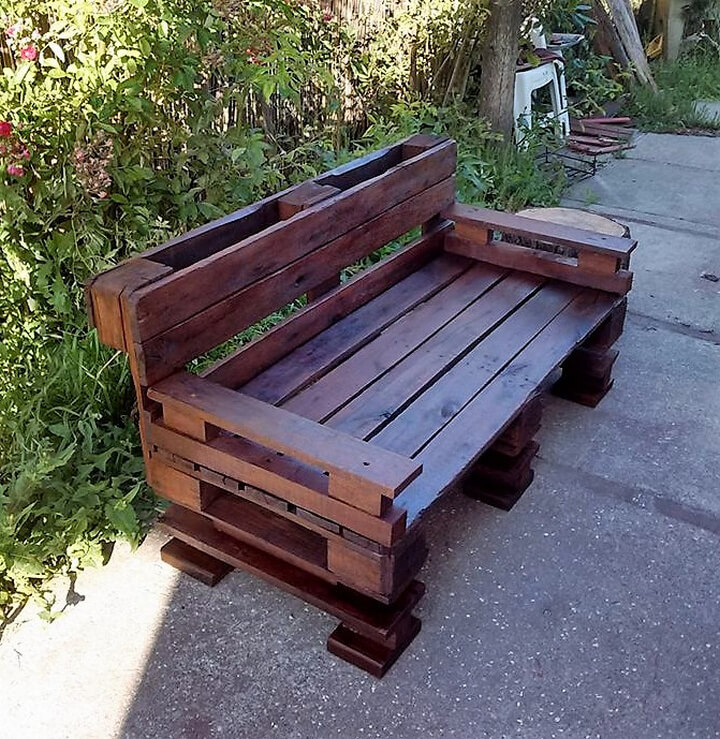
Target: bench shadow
[{"x": 245, "y": 659}]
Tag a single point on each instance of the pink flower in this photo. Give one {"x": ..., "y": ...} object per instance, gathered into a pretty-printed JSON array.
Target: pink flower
[
  {"x": 327, "y": 16},
  {"x": 25, "y": 154},
  {"x": 16, "y": 170},
  {"x": 12, "y": 31},
  {"x": 29, "y": 53},
  {"x": 5, "y": 129}
]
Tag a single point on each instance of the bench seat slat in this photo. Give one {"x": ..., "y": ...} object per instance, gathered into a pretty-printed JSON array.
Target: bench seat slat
[
  {"x": 409, "y": 431},
  {"x": 320, "y": 354},
  {"x": 399, "y": 340},
  {"x": 472, "y": 430},
  {"x": 318, "y": 317}
]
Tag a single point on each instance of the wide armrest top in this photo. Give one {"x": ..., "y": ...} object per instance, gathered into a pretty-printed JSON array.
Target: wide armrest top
[
  {"x": 340, "y": 454},
  {"x": 554, "y": 233}
]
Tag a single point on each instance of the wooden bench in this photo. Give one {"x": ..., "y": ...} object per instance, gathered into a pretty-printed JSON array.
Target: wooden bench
[{"x": 308, "y": 455}]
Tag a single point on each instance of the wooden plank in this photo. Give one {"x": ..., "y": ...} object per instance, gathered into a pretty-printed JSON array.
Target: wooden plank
[
  {"x": 348, "y": 460},
  {"x": 271, "y": 533},
  {"x": 361, "y": 613},
  {"x": 194, "y": 562},
  {"x": 374, "y": 657},
  {"x": 455, "y": 388},
  {"x": 303, "y": 197},
  {"x": 484, "y": 219},
  {"x": 539, "y": 262},
  {"x": 212, "y": 325},
  {"x": 179, "y": 487},
  {"x": 213, "y": 237},
  {"x": 319, "y": 355},
  {"x": 390, "y": 394},
  {"x": 186, "y": 292},
  {"x": 296, "y": 483},
  {"x": 102, "y": 296},
  {"x": 268, "y": 349},
  {"x": 452, "y": 452},
  {"x": 396, "y": 342}
]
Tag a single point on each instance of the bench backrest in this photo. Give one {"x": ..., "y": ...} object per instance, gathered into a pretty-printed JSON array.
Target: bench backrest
[{"x": 180, "y": 300}]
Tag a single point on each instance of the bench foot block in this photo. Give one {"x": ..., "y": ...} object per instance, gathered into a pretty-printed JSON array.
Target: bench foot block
[
  {"x": 375, "y": 657},
  {"x": 585, "y": 393},
  {"x": 500, "y": 480},
  {"x": 194, "y": 562}
]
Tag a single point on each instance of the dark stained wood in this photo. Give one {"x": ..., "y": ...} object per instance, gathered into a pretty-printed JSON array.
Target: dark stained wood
[
  {"x": 306, "y": 324},
  {"x": 272, "y": 533},
  {"x": 538, "y": 262},
  {"x": 179, "y": 487},
  {"x": 186, "y": 292},
  {"x": 375, "y": 657},
  {"x": 487, "y": 415},
  {"x": 194, "y": 562},
  {"x": 297, "y": 484},
  {"x": 303, "y": 197},
  {"x": 458, "y": 385},
  {"x": 349, "y": 461},
  {"x": 418, "y": 374},
  {"x": 396, "y": 342},
  {"x": 364, "y": 615},
  {"x": 213, "y": 237},
  {"x": 102, "y": 297},
  {"x": 318, "y": 356},
  {"x": 554, "y": 233},
  {"x": 217, "y": 322}
]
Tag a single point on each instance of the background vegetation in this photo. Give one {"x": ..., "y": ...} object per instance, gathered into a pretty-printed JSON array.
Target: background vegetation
[{"x": 123, "y": 122}]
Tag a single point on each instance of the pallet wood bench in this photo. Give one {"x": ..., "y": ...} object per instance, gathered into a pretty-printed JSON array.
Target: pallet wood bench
[{"x": 309, "y": 455}]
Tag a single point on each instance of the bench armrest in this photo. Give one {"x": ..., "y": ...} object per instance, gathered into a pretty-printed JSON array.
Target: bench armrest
[
  {"x": 359, "y": 473},
  {"x": 601, "y": 259},
  {"x": 476, "y": 222}
]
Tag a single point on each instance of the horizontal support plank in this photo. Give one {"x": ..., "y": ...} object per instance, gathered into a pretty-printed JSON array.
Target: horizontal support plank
[
  {"x": 362, "y": 614},
  {"x": 485, "y": 219},
  {"x": 263, "y": 352},
  {"x": 237, "y": 459},
  {"x": 160, "y": 355},
  {"x": 201, "y": 242},
  {"x": 187, "y": 292},
  {"x": 351, "y": 460},
  {"x": 539, "y": 262}
]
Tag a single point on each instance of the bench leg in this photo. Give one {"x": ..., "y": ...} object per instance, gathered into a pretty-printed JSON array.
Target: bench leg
[
  {"x": 587, "y": 372},
  {"x": 375, "y": 656},
  {"x": 500, "y": 479},
  {"x": 194, "y": 562}
]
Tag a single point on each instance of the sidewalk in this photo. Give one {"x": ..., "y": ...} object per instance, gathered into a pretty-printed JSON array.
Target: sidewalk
[{"x": 591, "y": 610}]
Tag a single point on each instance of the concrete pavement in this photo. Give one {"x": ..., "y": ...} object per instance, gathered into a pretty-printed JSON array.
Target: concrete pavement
[{"x": 591, "y": 610}]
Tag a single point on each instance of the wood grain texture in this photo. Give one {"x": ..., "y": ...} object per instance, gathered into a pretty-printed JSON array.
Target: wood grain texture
[
  {"x": 186, "y": 292},
  {"x": 484, "y": 219},
  {"x": 487, "y": 415},
  {"x": 267, "y": 350},
  {"x": 370, "y": 362},
  {"x": 219, "y": 321},
  {"x": 348, "y": 459},
  {"x": 297, "y": 484},
  {"x": 541, "y": 263},
  {"x": 347, "y": 336},
  {"x": 364, "y": 615}
]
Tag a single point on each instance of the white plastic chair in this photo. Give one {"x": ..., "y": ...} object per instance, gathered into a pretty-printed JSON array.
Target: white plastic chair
[{"x": 550, "y": 72}]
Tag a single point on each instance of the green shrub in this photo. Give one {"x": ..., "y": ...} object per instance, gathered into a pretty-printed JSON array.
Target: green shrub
[{"x": 680, "y": 84}]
